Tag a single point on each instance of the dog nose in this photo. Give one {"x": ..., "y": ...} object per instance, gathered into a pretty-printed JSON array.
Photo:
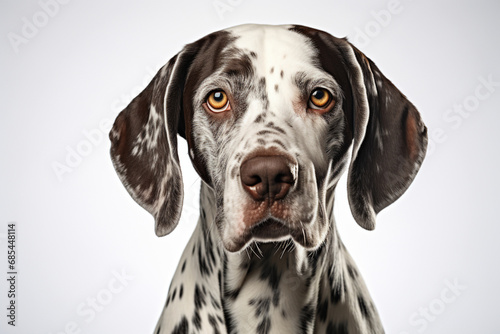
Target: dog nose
[{"x": 267, "y": 177}]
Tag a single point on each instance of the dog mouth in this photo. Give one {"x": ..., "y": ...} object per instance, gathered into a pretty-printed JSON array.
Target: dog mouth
[{"x": 269, "y": 230}]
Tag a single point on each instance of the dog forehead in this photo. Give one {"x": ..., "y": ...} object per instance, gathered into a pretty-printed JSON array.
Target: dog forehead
[{"x": 274, "y": 48}]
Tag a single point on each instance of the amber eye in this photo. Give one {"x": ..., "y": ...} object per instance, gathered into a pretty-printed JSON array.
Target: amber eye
[
  {"x": 217, "y": 101},
  {"x": 320, "y": 98}
]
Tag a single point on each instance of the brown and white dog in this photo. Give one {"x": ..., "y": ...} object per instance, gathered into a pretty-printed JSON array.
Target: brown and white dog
[{"x": 271, "y": 115}]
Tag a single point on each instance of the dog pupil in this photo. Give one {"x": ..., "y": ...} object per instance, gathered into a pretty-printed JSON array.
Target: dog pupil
[
  {"x": 318, "y": 94},
  {"x": 218, "y": 96}
]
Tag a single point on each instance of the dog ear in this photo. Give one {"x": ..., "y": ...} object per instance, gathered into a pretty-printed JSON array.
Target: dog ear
[
  {"x": 144, "y": 143},
  {"x": 390, "y": 139}
]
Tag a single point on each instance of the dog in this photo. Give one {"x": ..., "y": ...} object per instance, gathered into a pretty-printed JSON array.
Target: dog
[{"x": 272, "y": 116}]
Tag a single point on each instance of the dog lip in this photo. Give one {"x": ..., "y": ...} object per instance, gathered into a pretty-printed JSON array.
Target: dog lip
[{"x": 269, "y": 229}]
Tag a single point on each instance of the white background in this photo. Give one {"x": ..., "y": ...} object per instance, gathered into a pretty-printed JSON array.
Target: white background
[{"x": 87, "y": 60}]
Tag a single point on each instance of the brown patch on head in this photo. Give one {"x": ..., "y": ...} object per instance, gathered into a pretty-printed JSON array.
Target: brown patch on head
[
  {"x": 204, "y": 64},
  {"x": 331, "y": 60}
]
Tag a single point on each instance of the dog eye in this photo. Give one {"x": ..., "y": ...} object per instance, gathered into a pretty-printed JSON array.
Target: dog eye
[
  {"x": 217, "y": 101},
  {"x": 320, "y": 99}
]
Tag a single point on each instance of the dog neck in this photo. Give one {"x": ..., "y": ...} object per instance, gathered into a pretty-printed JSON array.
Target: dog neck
[
  {"x": 269, "y": 287},
  {"x": 285, "y": 286}
]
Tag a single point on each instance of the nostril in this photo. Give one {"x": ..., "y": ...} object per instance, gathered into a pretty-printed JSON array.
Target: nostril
[
  {"x": 250, "y": 180},
  {"x": 284, "y": 178}
]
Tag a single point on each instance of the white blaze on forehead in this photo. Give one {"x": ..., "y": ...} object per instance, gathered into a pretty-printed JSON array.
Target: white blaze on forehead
[{"x": 275, "y": 46}]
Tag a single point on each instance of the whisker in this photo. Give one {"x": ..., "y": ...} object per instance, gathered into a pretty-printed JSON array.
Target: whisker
[
  {"x": 286, "y": 247},
  {"x": 251, "y": 248},
  {"x": 258, "y": 248},
  {"x": 303, "y": 231}
]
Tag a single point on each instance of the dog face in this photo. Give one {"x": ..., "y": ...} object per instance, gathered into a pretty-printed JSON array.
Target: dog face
[{"x": 269, "y": 114}]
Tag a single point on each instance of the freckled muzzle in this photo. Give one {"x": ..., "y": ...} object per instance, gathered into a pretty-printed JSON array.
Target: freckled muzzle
[
  {"x": 267, "y": 179},
  {"x": 272, "y": 185}
]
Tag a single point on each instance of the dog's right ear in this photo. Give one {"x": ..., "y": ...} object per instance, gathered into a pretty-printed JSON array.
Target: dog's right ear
[{"x": 144, "y": 143}]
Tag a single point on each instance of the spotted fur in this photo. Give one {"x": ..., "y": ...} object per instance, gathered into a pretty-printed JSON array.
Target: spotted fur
[{"x": 231, "y": 279}]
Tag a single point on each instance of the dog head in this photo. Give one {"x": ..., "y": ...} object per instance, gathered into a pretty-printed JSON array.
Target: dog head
[{"x": 270, "y": 114}]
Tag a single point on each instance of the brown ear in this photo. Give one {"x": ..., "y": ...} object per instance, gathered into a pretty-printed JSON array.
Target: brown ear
[
  {"x": 144, "y": 143},
  {"x": 390, "y": 139}
]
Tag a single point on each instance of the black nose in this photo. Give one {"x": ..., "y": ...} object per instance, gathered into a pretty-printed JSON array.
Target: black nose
[{"x": 267, "y": 177}]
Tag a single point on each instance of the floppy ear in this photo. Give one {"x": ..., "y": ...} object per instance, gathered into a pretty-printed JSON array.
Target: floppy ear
[
  {"x": 390, "y": 139},
  {"x": 144, "y": 143}
]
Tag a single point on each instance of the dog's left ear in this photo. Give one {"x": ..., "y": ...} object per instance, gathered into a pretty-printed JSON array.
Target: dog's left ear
[
  {"x": 390, "y": 138},
  {"x": 144, "y": 143}
]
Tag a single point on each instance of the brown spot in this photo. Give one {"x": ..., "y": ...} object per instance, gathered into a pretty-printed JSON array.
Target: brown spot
[
  {"x": 276, "y": 87},
  {"x": 272, "y": 70},
  {"x": 411, "y": 136},
  {"x": 274, "y": 127},
  {"x": 265, "y": 132},
  {"x": 260, "y": 118},
  {"x": 278, "y": 142},
  {"x": 282, "y": 74},
  {"x": 234, "y": 172}
]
